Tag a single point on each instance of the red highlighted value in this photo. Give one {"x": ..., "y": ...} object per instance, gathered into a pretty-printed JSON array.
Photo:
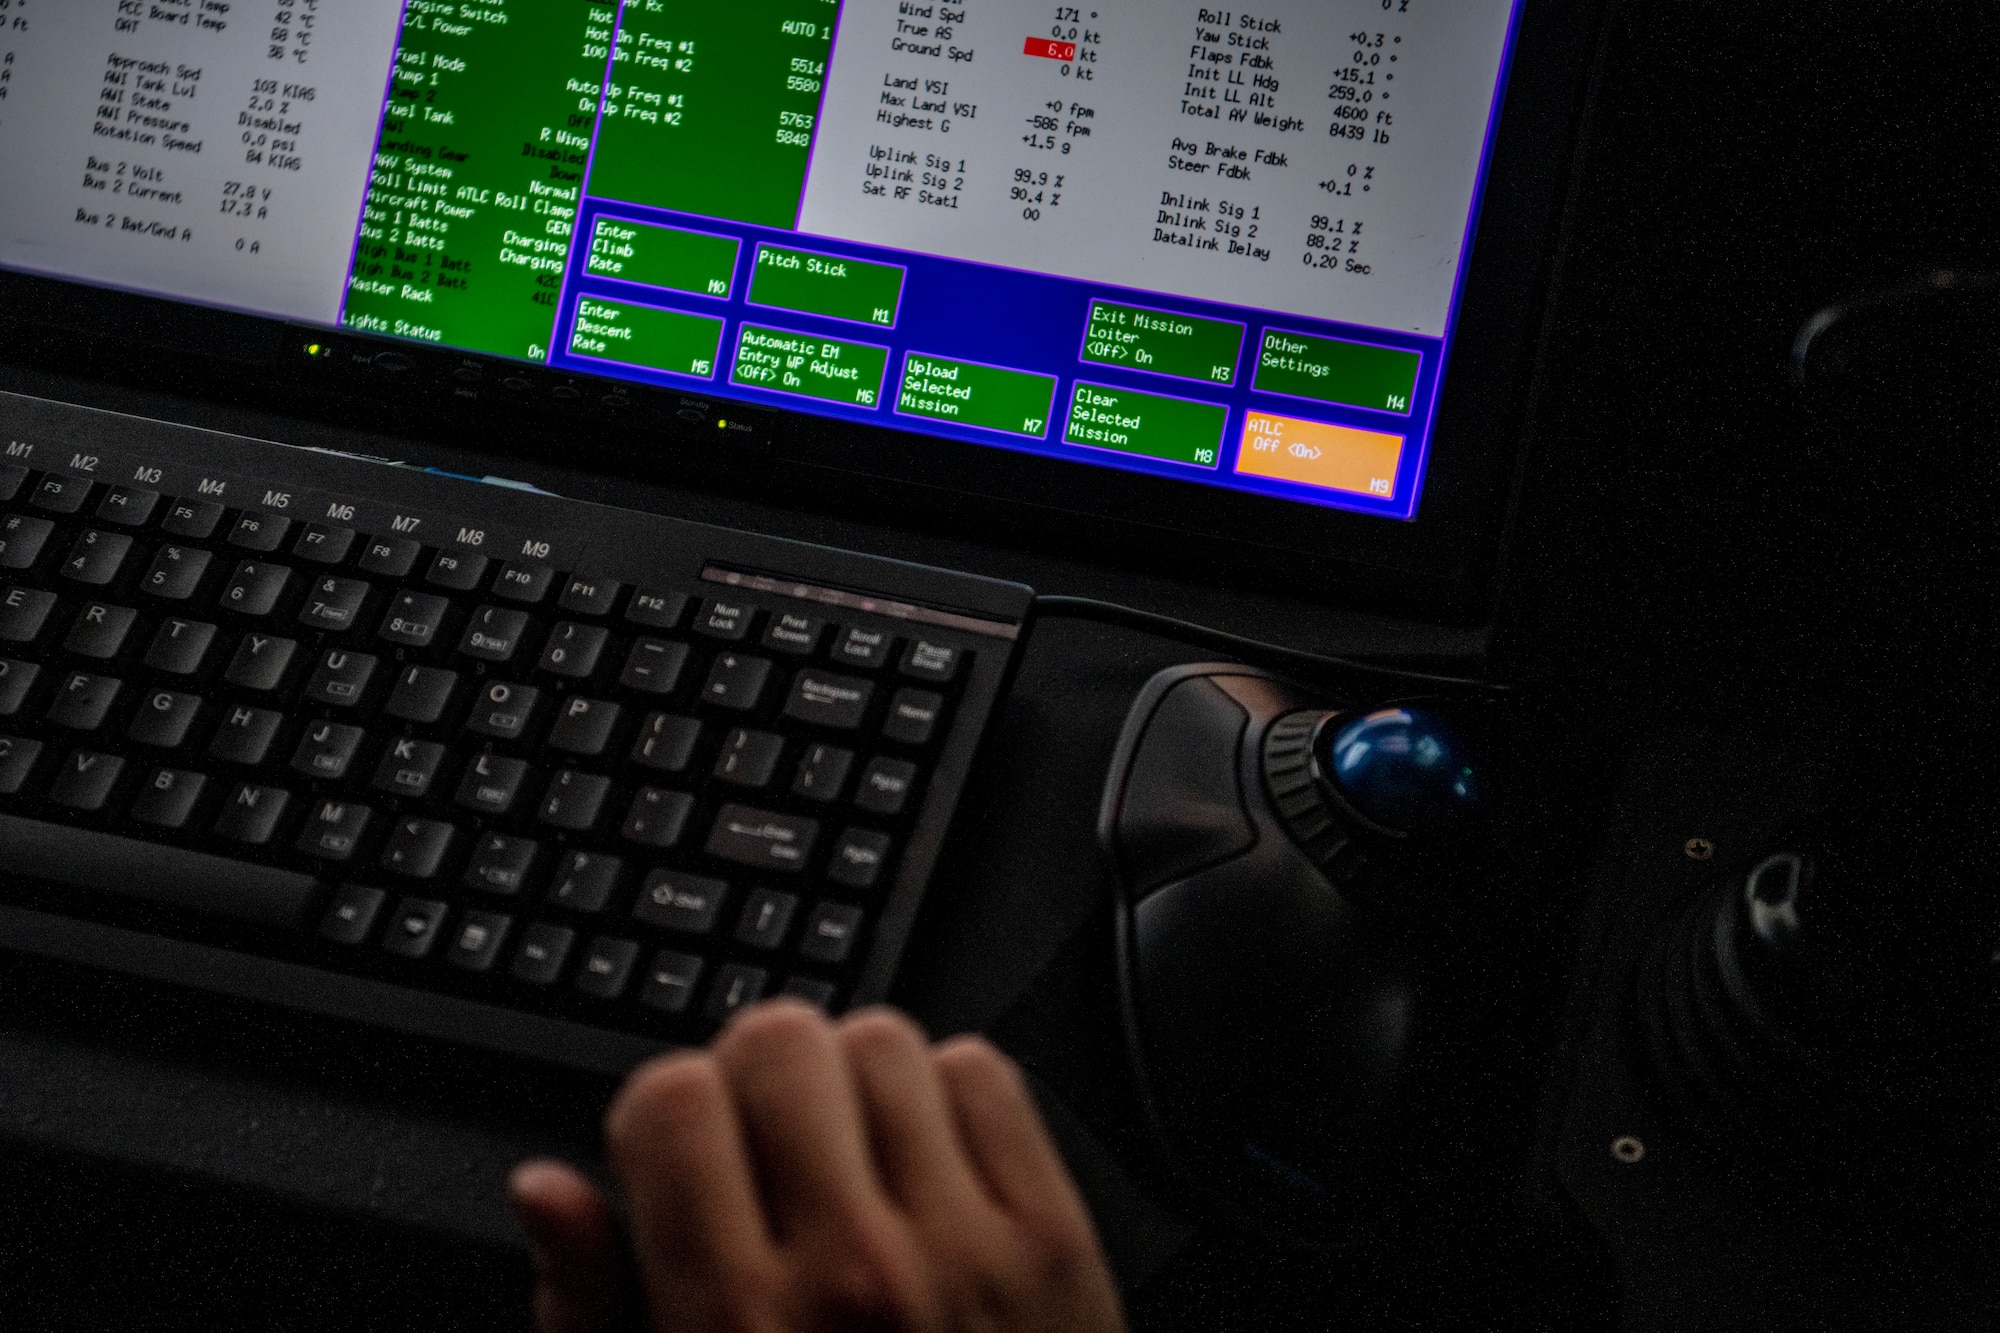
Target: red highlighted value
[{"x": 1048, "y": 50}]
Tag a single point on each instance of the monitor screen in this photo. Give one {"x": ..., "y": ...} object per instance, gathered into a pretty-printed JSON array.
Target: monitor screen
[{"x": 1219, "y": 245}]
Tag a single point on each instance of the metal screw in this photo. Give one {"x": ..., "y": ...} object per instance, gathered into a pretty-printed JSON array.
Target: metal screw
[
  {"x": 1698, "y": 849},
  {"x": 1628, "y": 1150}
]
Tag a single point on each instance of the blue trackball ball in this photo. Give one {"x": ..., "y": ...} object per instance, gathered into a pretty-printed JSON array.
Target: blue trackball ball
[{"x": 1406, "y": 769}]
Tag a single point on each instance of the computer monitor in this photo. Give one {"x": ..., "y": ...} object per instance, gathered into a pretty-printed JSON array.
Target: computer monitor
[{"x": 1223, "y": 263}]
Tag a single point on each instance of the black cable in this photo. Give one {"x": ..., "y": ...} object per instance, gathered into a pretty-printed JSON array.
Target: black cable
[{"x": 1250, "y": 650}]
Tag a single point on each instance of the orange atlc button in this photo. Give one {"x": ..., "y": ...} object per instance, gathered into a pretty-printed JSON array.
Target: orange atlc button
[{"x": 1314, "y": 453}]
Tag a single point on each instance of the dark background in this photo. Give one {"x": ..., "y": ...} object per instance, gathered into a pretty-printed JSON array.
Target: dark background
[{"x": 1750, "y": 163}]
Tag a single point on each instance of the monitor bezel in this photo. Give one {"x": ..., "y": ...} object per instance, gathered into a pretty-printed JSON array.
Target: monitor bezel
[{"x": 1441, "y": 565}]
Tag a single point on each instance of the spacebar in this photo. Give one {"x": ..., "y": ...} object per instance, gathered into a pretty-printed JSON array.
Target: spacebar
[{"x": 31, "y": 849}]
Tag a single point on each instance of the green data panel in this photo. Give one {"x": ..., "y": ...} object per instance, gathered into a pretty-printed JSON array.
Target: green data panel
[
  {"x": 1332, "y": 371},
  {"x": 478, "y": 172},
  {"x": 970, "y": 394},
  {"x": 640, "y": 335},
  {"x": 711, "y": 106},
  {"x": 686, "y": 261},
  {"x": 1176, "y": 429},
  {"x": 827, "y": 368},
  {"x": 830, "y": 285},
  {"x": 1163, "y": 342}
]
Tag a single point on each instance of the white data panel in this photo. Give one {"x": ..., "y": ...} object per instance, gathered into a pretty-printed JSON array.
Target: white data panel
[
  {"x": 209, "y": 149},
  {"x": 1317, "y": 157}
]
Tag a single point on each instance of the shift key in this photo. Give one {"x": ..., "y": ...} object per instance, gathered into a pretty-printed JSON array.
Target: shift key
[{"x": 762, "y": 840}]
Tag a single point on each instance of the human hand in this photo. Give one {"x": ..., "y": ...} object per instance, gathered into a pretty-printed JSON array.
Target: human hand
[{"x": 811, "y": 1176}]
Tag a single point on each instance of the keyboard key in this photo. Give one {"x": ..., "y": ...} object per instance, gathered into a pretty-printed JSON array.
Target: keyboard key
[
  {"x": 352, "y": 914},
  {"x": 762, "y": 840},
  {"x": 494, "y": 635},
  {"x": 60, "y": 495},
  {"x": 326, "y": 751},
  {"x": 737, "y": 986},
  {"x": 22, "y": 539},
  {"x": 334, "y": 830},
  {"x": 17, "y": 763},
  {"x": 658, "y": 817},
  {"x": 262, "y": 533},
  {"x": 23, "y": 613},
  {"x": 748, "y": 758},
  {"x": 819, "y": 994},
  {"x": 656, "y": 610},
  {"x": 413, "y": 928},
  {"x": 421, "y": 694},
  {"x": 654, "y": 666},
  {"x": 333, "y": 604},
  {"x": 491, "y": 785},
  {"x": 501, "y": 864},
  {"x": 409, "y": 767},
  {"x": 544, "y": 949},
  {"x": 503, "y": 711},
  {"x": 164, "y": 719},
  {"x": 175, "y": 573},
  {"x": 583, "y": 596},
  {"x": 672, "y": 900},
  {"x": 885, "y": 786},
  {"x": 12, "y": 478},
  {"x": 100, "y": 631},
  {"x": 96, "y": 557},
  {"x": 913, "y": 716},
  {"x": 456, "y": 571},
  {"x": 766, "y": 917},
  {"x": 826, "y": 700},
  {"x": 666, "y": 743},
  {"x": 324, "y": 545},
  {"x": 389, "y": 557},
  {"x": 16, "y": 679},
  {"x": 573, "y": 650},
  {"x": 607, "y": 967},
  {"x": 830, "y": 933},
  {"x": 192, "y": 519},
  {"x": 936, "y": 663},
  {"x": 83, "y": 700},
  {"x": 727, "y": 621},
  {"x": 168, "y": 799},
  {"x": 475, "y": 945},
  {"x": 863, "y": 649},
  {"x": 261, "y": 661},
  {"x": 414, "y": 619},
  {"x": 526, "y": 584},
  {"x": 736, "y": 682},
  {"x": 340, "y": 679},
  {"x": 584, "y": 727},
  {"x": 790, "y": 632},
  {"x": 251, "y": 813},
  {"x": 245, "y": 736},
  {"x": 180, "y": 646},
  {"x": 417, "y": 847},
  {"x": 85, "y": 779},
  {"x": 671, "y": 979},
  {"x": 858, "y": 859},
  {"x": 574, "y": 801},
  {"x": 586, "y": 881},
  {"x": 128, "y": 506},
  {"x": 822, "y": 773},
  {"x": 255, "y": 587}
]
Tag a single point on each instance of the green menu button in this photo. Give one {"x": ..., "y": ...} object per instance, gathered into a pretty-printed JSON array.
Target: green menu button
[
  {"x": 971, "y": 394},
  {"x": 810, "y": 366},
  {"x": 1178, "y": 430},
  {"x": 641, "y": 335},
  {"x": 1330, "y": 370}
]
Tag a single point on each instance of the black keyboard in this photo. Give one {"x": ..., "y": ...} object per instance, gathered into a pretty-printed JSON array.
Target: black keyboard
[{"x": 472, "y": 761}]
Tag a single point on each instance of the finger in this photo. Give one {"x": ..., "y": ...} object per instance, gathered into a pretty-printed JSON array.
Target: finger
[
  {"x": 802, "y": 1117},
  {"x": 1002, "y": 1131},
  {"x": 581, "y": 1282},
  {"x": 910, "y": 1126},
  {"x": 698, "y": 1229}
]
